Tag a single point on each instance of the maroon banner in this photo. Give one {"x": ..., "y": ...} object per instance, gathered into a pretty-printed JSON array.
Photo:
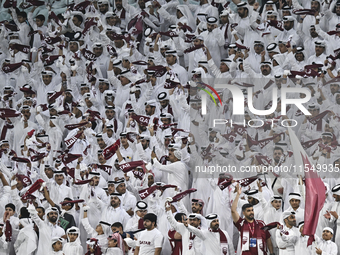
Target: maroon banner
[{"x": 193, "y": 48}]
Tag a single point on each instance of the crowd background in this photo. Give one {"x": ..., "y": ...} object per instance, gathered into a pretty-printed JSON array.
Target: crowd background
[{"x": 102, "y": 126}]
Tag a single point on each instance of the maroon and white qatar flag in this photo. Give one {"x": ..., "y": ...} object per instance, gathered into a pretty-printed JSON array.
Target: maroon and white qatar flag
[{"x": 315, "y": 188}]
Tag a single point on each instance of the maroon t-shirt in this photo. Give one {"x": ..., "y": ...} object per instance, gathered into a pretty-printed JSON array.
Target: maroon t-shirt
[{"x": 255, "y": 232}]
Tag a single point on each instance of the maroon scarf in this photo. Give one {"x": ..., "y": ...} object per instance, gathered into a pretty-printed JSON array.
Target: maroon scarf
[
  {"x": 11, "y": 67},
  {"x": 230, "y": 137},
  {"x": 4, "y": 130},
  {"x": 107, "y": 169},
  {"x": 88, "y": 25},
  {"x": 21, "y": 47},
  {"x": 310, "y": 143},
  {"x": 263, "y": 160},
  {"x": 55, "y": 18},
  {"x": 247, "y": 181},
  {"x": 8, "y": 232},
  {"x": 82, "y": 6},
  {"x": 127, "y": 167},
  {"x": 73, "y": 126},
  {"x": 70, "y": 142},
  {"x": 33, "y": 188},
  {"x": 224, "y": 182},
  {"x": 89, "y": 55},
  {"x": 144, "y": 193},
  {"x": 111, "y": 150},
  {"x": 193, "y": 48},
  {"x": 171, "y": 34},
  {"x": 111, "y": 50},
  {"x": 317, "y": 120},
  {"x": 183, "y": 194},
  {"x": 185, "y": 27},
  {"x": 277, "y": 24}
]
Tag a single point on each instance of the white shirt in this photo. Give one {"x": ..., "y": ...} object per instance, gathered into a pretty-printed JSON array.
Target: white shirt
[{"x": 149, "y": 241}]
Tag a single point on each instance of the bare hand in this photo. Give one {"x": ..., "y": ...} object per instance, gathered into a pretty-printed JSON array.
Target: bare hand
[
  {"x": 238, "y": 189},
  {"x": 334, "y": 214},
  {"x": 327, "y": 215},
  {"x": 318, "y": 251},
  {"x": 153, "y": 155}
]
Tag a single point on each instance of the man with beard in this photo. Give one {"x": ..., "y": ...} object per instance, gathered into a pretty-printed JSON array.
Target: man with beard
[
  {"x": 102, "y": 60},
  {"x": 189, "y": 244},
  {"x": 289, "y": 31},
  {"x": 254, "y": 240},
  {"x": 332, "y": 14},
  {"x": 308, "y": 20},
  {"x": 280, "y": 185},
  {"x": 121, "y": 13},
  {"x": 176, "y": 170},
  {"x": 216, "y": 240},
  {"x": 128, "y": 200},
  {"x": 150, "y": 108},
  {"x": 101, "y": 143},
  {"x": 143, "y": 149},
  {"x": 196, "y": 206},
  {"x": 243, "y": 19},
  {"x": 114, "y": 211},
  {"x": 298, "y": 60},
  {"x": 320, "y": 56},
  {"x": 310, "y": 39},
  {"x": 334, "y": 88},
  {"x": 286, "y": 242},
  {"x": 68, "y": 100},
  {"x": 213, "y": 39},
  {"x": 150, "y": 240},
  {"x": 47, "y": 229},
  {"x": 256, "y": 202},
  {"x": 125, "y": 148},
  {"x": 265, "y": 68}
]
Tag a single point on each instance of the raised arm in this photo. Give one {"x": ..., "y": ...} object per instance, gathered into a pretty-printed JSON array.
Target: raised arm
[{"x": 234, "y": 212}]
